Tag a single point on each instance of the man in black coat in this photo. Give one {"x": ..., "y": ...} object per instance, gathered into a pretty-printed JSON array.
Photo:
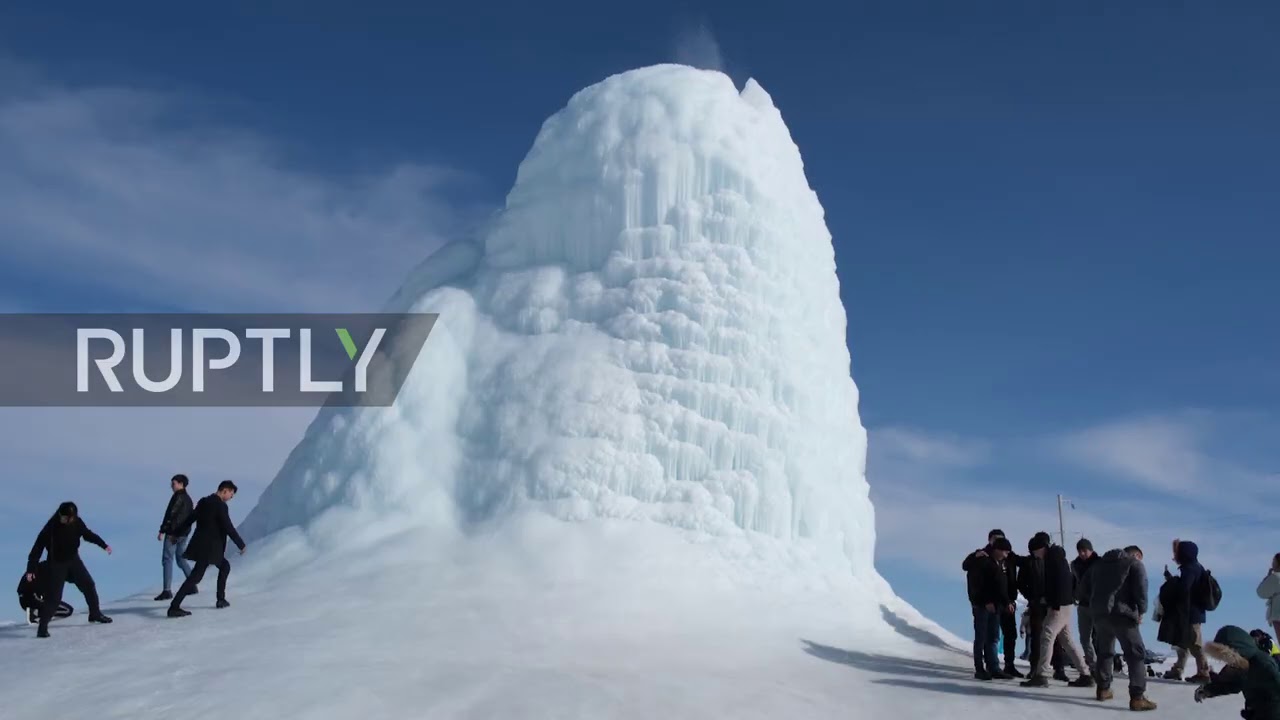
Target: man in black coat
[
  {"x": 61, "y": 538},
  {"x": 989, "y": 596},
  {"x": 1008, "y": 620},
  {"x": 175, "y": 544},
  {"x": 208, "y": 545}
]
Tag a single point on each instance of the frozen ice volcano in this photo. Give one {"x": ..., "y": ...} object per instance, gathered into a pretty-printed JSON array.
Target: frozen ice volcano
[
  {"x": 650, "y": 331},
  {"x": 625, "y": 476}
]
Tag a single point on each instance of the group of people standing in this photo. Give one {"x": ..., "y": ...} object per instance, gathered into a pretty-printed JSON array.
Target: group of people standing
[
  {"x": 41, "y": 587},
  {"x": 1109, "y": 594}
]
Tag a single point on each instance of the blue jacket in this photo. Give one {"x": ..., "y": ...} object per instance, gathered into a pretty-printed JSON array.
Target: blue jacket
[{"x": 1190, "y": 571}]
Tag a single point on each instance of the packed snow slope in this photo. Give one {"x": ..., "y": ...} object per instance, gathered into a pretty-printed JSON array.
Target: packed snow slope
[{"x": 542, "y": 631}]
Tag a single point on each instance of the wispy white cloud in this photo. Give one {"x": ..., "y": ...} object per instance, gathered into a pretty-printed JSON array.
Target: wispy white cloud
[
  {"x": 933, "y": 449},
  {"x": 124, "y": 190},
  {"x": 1159, "y": 453},
  {"x": 1172, "y": 454}
]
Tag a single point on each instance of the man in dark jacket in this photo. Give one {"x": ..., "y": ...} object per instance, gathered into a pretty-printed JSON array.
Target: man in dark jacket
[
  {"x": 208, "y": 545},
  {"x": 1117, "y": 592},
  {"x": 175, "y": 545},
  {"x": 1183, "y": 595},
  {"x": 989, "y": 596},
  {"x": 31, "y": 595},
  {"x": 1008, "y": 620},
  {"x": 1059, "y": 599},
  {"x": 1083, "y": 563},
  {"x": 60, "y": 538}
]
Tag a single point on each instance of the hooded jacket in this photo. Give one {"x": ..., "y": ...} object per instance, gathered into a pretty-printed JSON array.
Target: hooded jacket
[
  {"x": 1269, "y": 590},
  {"x": 1175, "y": 615},
  {"x": 1254, "y": 673},
  {"x": 1189, "y": 572},
  {"x": 1117, "y": 587}
]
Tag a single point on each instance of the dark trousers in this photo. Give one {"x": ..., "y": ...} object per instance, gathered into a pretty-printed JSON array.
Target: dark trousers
[
  {"x": 1009, "y": 629},
  {"x": 986, "y": 626},
  {"x": 197, "y": 574},
  {"x": 1107, "y": 631},
  {"x": 1038, "y": 613},
  {"x": 60, "y": 574}
]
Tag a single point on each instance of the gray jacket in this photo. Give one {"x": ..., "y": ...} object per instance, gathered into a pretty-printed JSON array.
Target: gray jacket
[{"x": 1116, "y": 586}]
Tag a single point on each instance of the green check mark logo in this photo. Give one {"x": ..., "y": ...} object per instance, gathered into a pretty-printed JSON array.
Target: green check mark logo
[{"x": 347, "y": 343}]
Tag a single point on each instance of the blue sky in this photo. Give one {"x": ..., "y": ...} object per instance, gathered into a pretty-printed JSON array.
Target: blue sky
[{"x": 1055, "y": 230}]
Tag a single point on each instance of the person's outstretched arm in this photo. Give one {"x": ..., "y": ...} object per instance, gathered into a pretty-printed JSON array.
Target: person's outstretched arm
[{"x": 91, "y": 536}]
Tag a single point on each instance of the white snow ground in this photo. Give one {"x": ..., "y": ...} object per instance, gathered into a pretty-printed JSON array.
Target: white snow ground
[{"x": 625, "y": 478}]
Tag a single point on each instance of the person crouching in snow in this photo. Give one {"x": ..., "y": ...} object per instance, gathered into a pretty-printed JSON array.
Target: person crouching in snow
[
  {"x": 1249, "y": 670},
  {"x": 31, "y": 595}
]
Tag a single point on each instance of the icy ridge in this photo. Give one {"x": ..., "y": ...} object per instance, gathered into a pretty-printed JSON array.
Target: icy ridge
[{"x": 650, "y": 330}]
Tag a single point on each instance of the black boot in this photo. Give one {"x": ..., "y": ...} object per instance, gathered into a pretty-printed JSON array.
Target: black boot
[
  {"x": 1035, "y": 681},
  {"x": 1012, "y": 671},
  {"x": 166, "y": 595},
  {"x": 98, "y": 617},
  {"x": 177, "y": 612},
  {"x": 42, "y": 632},
  {"x": 222, "y": 603}
]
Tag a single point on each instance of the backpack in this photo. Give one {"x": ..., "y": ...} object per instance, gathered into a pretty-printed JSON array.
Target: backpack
[{"x": 1208, "y": 593}]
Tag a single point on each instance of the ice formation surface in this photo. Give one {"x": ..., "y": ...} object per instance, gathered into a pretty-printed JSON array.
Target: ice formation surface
[{"x": 650, "y": 330}]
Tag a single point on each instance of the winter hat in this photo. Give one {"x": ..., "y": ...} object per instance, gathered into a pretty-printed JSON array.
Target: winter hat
[
  {"x": 1002, "y": 543},
  {"x": 1039, "y": 542},
  {"x": 995, "y": 533},
  {"x": 1084, "y": 544}
]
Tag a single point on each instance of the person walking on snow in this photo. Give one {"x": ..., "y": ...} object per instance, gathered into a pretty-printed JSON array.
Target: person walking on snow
[
  {"x": 60, "y": 538},
  {"x": 1269, "y": 590},
  {"x": 1190, "y": 571},
  {"x": 1117, "y": 592},
  {"x": 1008, "y": 620},
  {"x": 208, "y": 545},
  {"x": 1059, "y": 600},
  {"x": 174, "y": 545},
  {"x": 989, "y": 596}
]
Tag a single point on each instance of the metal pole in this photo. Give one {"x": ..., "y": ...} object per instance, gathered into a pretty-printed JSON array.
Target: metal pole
[{"x": 1062, "y": 525}]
